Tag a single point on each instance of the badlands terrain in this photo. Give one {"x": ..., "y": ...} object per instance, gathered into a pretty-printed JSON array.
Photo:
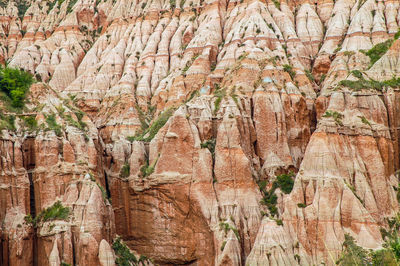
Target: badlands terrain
[{"x": 199, "y": 132}]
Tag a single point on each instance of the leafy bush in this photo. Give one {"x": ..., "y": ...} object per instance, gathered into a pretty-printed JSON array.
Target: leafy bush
[
  {"x": 210, "y": 145},
  {"x": 52, "y": 125},
  {"x": 55, "y": 212},
  {"x": 148, "y": 134},
  {"x": 125, "y": 171},
  {"x": 22, "y": 7},
  {"x": 362, "y": 83},
  {"x": 335, "y": 115},
  {"x": 14, "y": 84},
  {"x": 289, "y": 69},
  {"x": 277, "y": 4},
  {"x": 226, "y": 227},
  {"x": 7, "y": 122},
  {"x": 125, "y": 256},
  {"x": 71, "y": 5},
  {"x": 285, "y": 182},
  {"x": 352, "y": 253},
  {"x": 309, "y": 75},
  {"x": 30, "y": 122},
  {"x": 376, "y": 52},
  {"x": 147, "y": 169}
]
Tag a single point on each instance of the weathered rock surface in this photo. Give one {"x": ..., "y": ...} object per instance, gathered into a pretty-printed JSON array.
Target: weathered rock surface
[{"x": 159, "y": 121}]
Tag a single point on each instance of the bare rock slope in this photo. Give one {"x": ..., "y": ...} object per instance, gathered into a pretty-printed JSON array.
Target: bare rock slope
[{"x": 170, "y": 125}]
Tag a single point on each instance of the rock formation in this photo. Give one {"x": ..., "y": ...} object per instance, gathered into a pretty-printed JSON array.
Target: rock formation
[{"x": 168, "y": 124}]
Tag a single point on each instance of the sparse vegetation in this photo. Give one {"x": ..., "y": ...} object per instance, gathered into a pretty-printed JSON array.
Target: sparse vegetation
[
  {"x": 309, "y": 75},
  {"x": 277, "y": 4},
  {"x": 353, "y": 254},
  {"x": 335, "y": 115},
  {"x": 125, "y": 170},
  {"x": 220, "y": 94},
  {"x": 149, "y": 132},
  {"x": 223, "y": 245},
  {"x": 226, "y": 227},
  {"x": 376, "y": 52},
  {"x": 364, "y": 120},
  {"x": 289, "y": 69},
  {"x": 71, "y": 5},
  {"x": 125, "y": 256},
  {"x": 52, "y": 125},
  {"x": 285, "y": 182},
  {"x": 55, "y": 212},
  {"x": 14, "y": 84},
  {"x": 369, "y": 84}
]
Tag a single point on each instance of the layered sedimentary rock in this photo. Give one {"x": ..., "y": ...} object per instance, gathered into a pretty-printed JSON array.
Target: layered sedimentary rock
[{"x": 160, "y": 121}]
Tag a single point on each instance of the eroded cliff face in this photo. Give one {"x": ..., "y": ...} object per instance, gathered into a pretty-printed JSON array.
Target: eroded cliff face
[{"x": 165, "y": 122}]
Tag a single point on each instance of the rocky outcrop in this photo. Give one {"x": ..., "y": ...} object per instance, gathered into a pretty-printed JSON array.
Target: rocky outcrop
[{"x": 169, "y": 124}]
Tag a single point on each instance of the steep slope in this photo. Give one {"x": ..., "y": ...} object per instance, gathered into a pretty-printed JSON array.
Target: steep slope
[{"x": 201, "y": 132}]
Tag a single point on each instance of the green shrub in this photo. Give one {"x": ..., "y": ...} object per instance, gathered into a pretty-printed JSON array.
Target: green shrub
[
  {"x": 124, "y": 256},
  {"x": 223, "y": 245},
  {"x": 55, "y": 212},
  {"x": 148, "y": 134},
  {"x": 71, "y": 5},
  {"x": 22, "y": 7},
  {"x": 289, "y": 69},
  {"x": 301, "y": 205},
  {"x": 226, "y": 227},
  {"x": 277, "y": 4},
  {"x": 220, "y": 94},
  {"x": 352, "y": 253},
  {"x": 14, "y": 84},
  {"x": 30, "y": 122},
  {"x": 147, "y": 169},
  {"x": 210, "y": 145},
  {"x": 125, "y": 171},
  {"x": 376, "y": 52},
  {"x": 285, "y": 182},
  {"x": 370, "y": 84},
  {"x": 335, "y": 115},
  {"x": 309, "y": 75},
  {"x": 7, "y": 122},
  {"x": 52, "y": 125}
]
